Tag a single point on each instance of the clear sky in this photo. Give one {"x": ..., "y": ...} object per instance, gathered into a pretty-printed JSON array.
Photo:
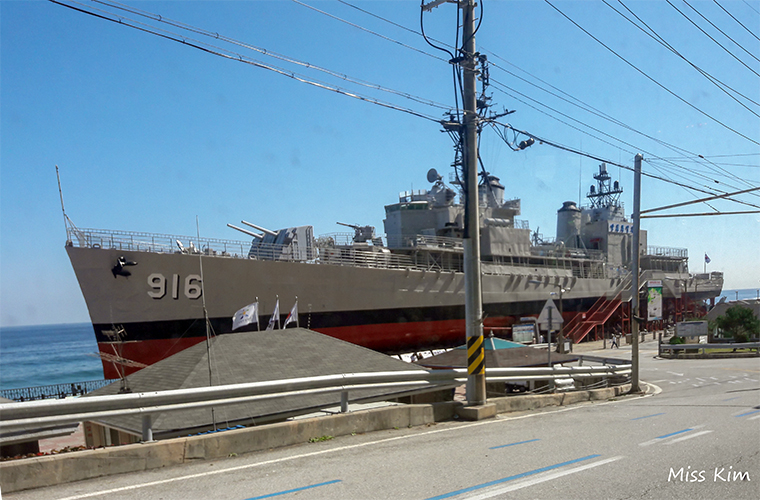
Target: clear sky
[{"x": 149, "y": 133}]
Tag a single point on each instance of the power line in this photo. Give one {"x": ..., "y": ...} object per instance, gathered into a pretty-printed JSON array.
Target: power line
[
  {"x": 721, "y": 31},
  {"x": 584, "y": 106},
  {"x": 240, "y": 58},
  {"x": 610, "y": 162},
  {"x": 650, "y": 78},
  {"x": 659, "y": 39},
  {"x": 711, "y": 38},
  {"x": 217, "y": 36},
  {"x": 499, "y": 85}
]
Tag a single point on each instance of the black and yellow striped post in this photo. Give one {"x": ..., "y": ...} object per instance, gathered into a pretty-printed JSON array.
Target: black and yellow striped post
[{"x": 476, "y": 356}]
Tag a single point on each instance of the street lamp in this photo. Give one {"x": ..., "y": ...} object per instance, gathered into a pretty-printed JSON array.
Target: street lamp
[{"x": 560, "y": 337}]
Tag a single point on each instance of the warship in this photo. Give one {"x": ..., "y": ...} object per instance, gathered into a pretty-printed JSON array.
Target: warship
[{"x": 152, "y": 295}]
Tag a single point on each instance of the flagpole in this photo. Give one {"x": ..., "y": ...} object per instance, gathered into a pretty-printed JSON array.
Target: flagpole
[
  {"x": 258, "y": 323},
  {"x": 297, "y": 324},
  {"x": 278, "y": 312}
]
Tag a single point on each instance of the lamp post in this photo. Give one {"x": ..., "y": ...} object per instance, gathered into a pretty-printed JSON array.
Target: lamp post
[{"x": 560, "y": 337}]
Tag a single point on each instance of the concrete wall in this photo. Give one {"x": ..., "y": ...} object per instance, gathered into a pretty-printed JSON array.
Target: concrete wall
[{"x": 68, "y": 467}]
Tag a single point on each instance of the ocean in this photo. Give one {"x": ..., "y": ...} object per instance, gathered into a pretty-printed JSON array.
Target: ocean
[
  {"x": 48, "y": 354},
  {"x": 61, "y": 354}
]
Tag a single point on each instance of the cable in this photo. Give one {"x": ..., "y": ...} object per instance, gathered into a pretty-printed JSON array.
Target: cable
[
  {"x": 240, "y": 58},
  {"x": 594, "y": 129},
  {"x": 217, "y": 36},
  {"x": 597, "y": 158},
  {"x": 722, "y": 32},
  {"x": 584, "y": 106},
  {"x": 650, "y": 78},
  {"x": 711, "y": 38},
  {"x": 656, "y": 37}
]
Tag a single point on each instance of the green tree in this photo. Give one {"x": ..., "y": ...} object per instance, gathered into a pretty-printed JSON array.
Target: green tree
[{"x": 739, "y": 323}]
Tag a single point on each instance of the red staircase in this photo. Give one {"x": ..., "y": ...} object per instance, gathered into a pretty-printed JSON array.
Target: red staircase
[{"x": 582, "y": 324}]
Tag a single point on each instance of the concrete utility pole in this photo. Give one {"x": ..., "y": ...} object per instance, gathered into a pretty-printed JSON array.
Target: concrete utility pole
[
  {"x": 635, "y": 274},
  {"x": 476, "y": 379}
]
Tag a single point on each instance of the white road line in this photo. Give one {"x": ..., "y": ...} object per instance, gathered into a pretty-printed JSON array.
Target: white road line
[
  {"x": 332, "y": 450},
  {"x": 689, "y": 436},
  {"x": 538, "y": 479},
  {"x": 754, "y": 418},
  {"x": 678, "y": 374}
]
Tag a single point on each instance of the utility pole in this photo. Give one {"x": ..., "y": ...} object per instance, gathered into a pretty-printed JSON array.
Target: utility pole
[
  {"x": 476, "y": 378},
  {"x": 473, "y": 302},
  {"x": 635, "y": 274}
]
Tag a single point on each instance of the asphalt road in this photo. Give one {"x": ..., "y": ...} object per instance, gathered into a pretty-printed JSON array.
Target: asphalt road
[{"x": 697, "y": 436}]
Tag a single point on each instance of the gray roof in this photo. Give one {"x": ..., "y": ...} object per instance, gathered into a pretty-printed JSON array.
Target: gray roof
[
  {"x": 252, "y": 357},
  {"x": 721, "y": 308}
]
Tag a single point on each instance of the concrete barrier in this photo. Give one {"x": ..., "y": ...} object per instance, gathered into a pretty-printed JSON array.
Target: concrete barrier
[{"x": 29, "y": 473}]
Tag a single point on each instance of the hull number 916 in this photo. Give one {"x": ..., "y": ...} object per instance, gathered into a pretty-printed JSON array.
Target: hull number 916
[{"x": 158, "y": 284}]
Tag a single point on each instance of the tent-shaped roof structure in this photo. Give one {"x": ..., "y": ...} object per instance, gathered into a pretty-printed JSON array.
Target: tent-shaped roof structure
[
  {"x": 499, "y": 354},
  {"x": 252, "y": 357}
]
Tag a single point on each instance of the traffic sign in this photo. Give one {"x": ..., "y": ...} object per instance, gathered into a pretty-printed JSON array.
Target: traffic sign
[{"x": 556, "y": 318}]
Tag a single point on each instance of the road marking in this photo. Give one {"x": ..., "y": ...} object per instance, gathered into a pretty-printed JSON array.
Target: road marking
[
  {"x": 341, "y": 448},
  {"x": 731, "y": 399},
  {"x": 688, "y": 437},
  {"x": 659, "y": 439},
  {"x": 513, "y": 444},
  {"x": 754, "y": 418},
  {"x": 294, "y": 490},
  {"x": 540, "y": 479},
  {"x": 748, "y": 413},
  {"x": 510, "y": 478},
  {"x": 674, "y": 373},
  {"x": 674, "y": 433},
  {"x": 647, "y": 416}
]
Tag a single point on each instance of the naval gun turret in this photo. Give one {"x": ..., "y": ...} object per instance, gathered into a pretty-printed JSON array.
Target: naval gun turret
[{"x": 363, "y": 234}]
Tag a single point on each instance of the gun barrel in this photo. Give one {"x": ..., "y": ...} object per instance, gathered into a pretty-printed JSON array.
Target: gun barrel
[
  {"x": 245, "y": 231},
  {"x": 262, "y": 229}
]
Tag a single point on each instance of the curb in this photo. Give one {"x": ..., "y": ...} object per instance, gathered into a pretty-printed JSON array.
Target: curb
[{"x": 38, "y": 472}]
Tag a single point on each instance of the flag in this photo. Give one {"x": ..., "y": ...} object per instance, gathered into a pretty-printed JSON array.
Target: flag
[
  {"x": 245, "y": 316},
  {"x": 293, "y": 316},
  {"x": 275, "y": 316},
  {"x": 707, "y": 259}
]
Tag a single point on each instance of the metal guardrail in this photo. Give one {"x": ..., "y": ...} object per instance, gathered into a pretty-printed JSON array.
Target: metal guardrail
[
  {"x": 732, "y": 345},
  {"x": 15, "y": 416}
]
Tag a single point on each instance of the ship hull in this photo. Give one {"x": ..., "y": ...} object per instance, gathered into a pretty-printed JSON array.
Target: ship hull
[{"x": 160, "y": 304}]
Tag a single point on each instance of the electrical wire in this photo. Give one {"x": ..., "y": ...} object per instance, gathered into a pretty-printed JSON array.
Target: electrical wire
[
  {"x": 240, "y": 58},
  {"x": 656, "y": 37},
  {"x": 584, "y": 106},
  {"x": 722, "y": 32},
  {"x": 711, "y": 38},
  {"x": 498, "y": 85},
  {"x": 650, "y": 78},
  {"x": 217, "y": 36}
]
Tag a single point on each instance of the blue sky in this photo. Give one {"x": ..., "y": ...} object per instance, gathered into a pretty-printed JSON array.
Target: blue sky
[{"x": 149, "y": 133}]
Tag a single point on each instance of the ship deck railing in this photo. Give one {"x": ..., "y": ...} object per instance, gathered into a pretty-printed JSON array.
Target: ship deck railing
[
  {"x": 213, "y": 247},
  {"x": 420, "y": 250}
]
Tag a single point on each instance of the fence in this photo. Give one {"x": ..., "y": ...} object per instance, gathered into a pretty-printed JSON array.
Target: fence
[
  {"x": 55, "y": 391},
  {"x": 15, "y": 416}
]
